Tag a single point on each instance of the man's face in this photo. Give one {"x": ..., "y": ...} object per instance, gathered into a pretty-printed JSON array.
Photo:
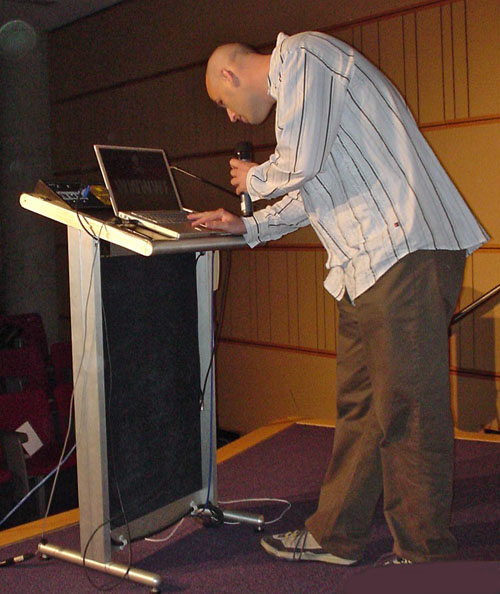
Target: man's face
[{"x": 241, "y": 102}]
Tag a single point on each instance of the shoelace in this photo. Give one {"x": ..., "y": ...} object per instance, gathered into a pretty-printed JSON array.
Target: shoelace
[
  {"x": 301, "y": 537},
  {"x": 296, "y": 539}
]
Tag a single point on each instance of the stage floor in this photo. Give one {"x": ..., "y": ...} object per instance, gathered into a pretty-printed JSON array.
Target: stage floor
[{"x": 282, "y": 461}]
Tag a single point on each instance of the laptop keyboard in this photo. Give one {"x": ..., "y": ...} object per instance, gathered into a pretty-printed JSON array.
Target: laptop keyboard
[{"x": 163, "y": 218}]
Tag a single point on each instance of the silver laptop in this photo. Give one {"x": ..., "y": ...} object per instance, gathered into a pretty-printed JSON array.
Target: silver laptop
[{"x": 142, "y": 190}]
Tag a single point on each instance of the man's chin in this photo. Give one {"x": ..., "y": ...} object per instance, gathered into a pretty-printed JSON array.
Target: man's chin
[
  {"x": 260, "y": 118},
  {"x": 255, "y": 120}
]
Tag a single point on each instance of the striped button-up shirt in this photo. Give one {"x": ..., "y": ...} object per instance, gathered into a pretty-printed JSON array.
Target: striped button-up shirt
[{"x": 351, "y": 161}]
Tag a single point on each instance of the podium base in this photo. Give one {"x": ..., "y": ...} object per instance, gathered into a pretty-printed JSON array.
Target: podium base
[
  {"x": 255, "y": 520},
  {"x": 212, "y": 515},
  {"x": 117, "y": 569}
]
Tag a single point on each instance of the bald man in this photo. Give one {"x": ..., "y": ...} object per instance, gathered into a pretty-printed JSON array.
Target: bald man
[{"x": 351, "y": 162}]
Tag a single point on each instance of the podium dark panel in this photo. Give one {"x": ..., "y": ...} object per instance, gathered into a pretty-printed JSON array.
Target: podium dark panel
[{"x": 152, "y": 380}]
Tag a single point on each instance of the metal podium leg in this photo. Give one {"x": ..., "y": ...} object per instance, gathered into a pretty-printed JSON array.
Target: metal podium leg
[
  {"x": 88, "y": 373},
  {"x": 207, "y": 280},
  {"x": 117, "y": 569},
  {"x": 90, "y": 416},
  {"x": 255, "y": 520},
  {"x": 208, "y": 421}
]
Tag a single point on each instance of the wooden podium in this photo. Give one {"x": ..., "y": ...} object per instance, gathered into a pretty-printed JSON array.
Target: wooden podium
[{"x": 106, "y": 259}]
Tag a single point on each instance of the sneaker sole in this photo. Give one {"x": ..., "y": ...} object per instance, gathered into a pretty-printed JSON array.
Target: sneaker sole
[{"x": 306, "y": 556}]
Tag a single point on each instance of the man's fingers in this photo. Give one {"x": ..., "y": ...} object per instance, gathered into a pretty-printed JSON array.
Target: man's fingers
[
  {"x": 213, "y": 219},
  {"x": 218, "y": 219},
  {"x": 239, "y": 172},
  {"x": 201, "y": 218}
]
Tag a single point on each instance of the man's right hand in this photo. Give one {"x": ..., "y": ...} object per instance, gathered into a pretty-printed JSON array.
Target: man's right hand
[{"x": 220, "y": 220}]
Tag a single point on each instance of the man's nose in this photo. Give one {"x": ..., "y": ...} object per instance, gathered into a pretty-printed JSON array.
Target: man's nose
[{"x": 232, "y": 116}]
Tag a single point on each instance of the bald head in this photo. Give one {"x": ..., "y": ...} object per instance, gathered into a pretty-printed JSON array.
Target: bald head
[
  {"x": 226, "y": 56},
  {"x": 236, "y": 79}
]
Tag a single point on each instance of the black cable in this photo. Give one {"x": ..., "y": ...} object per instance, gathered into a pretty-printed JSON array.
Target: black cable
[
  {"x": 115, "y": 479},
  {"x": 225, "y": 288},
  {"x": 84, "y": 555},
  {"x": 78, "y": 215},
  {"x": 17, "y": 559}
]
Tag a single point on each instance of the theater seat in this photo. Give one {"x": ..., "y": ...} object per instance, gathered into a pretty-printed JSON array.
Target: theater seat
[
  {"x": 31, "y": 406},
  {"x": 21, "y": 368},
  {"x": 30, "y": 332}
]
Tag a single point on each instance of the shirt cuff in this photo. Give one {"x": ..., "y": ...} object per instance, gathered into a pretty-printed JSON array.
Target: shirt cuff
[
  {"x": 252, "y": 231},
  {"x": 253, "y": 195}
]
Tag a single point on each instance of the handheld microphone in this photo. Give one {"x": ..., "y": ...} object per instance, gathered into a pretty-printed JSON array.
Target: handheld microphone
[{"x": 243, "y": 152}]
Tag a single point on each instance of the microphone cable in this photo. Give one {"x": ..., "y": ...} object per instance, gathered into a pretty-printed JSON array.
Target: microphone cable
[{"x": 203, "y": 180}]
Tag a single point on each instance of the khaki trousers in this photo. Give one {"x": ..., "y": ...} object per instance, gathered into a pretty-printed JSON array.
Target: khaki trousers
[{"x": 394, "y": 432}]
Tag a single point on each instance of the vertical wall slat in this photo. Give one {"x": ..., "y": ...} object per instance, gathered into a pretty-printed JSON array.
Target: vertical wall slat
[
  {"x": 430, "y": 68},
  {"x": 460, "y": 62},
  {"x": 391, "y": 51}
]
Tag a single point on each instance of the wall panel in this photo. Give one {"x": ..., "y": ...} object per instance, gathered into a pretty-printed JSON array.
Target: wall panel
[
  {"x": 266, "y": 384},
  {"x": 279, "y": 304},
  {"x": 447, "y": 50},
  {"x": 293, "y": 304},
  {"x": 144, "y": 37},
  {"x": 471, "y": 154},
  {"x": 486, "y": 333},
  {"x": 430, "y": 66},
  {"x": 461, "y": 347},
  {"x": 242, "y": 288},
  {"x": 306, "y": 298},
  {"x": 460, "y": 60},
  {"x": 410, "y": 62},
  {"x": 370, "y": 46},
  {"x": 263, "y": 297},
  {"x": 391, "y": 51},
  {"x": 483, "y": 41},
  {"x": 477, "y": 402}
]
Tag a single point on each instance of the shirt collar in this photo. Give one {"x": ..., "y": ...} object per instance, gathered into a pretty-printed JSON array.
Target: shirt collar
[{"x": 273, "y": 79}]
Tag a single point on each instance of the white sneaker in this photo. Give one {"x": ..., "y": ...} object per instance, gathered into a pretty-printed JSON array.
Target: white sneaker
[
  {"x": 391, "y": 559},
  {"x": 300, "y": 545}
]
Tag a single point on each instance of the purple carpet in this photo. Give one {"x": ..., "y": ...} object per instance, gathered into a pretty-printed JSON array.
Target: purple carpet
[{"x": 229, "y": 559}]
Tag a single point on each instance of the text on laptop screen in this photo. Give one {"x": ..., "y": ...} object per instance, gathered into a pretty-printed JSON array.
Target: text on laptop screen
[{"x": 139, "y": 179}]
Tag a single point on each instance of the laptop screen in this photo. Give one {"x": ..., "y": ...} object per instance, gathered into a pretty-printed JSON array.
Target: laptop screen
[{"x": 137, "y": 178}]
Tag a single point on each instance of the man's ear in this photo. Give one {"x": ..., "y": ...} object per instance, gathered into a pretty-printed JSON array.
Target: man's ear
[{"x": 230, "y": 77}]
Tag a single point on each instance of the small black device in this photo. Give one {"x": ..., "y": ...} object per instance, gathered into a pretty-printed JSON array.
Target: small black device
[{"x": 75, "y": 194}]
